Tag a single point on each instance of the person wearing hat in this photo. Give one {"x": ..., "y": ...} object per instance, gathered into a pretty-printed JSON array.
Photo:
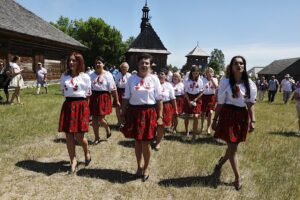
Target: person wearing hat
[
  {"x": 41, "y": 77},
  {"x": 286, "y": 86}
]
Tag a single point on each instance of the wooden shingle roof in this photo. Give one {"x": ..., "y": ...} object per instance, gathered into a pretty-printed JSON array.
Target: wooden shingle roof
[
  {"x": 15, "y": 18},
  {"x": 278, "y": 66},
  {"x": 148, "y": 41},
  {"x": 197, "y": 52}
]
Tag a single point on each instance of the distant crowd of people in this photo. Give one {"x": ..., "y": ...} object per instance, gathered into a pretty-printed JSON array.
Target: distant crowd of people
[
  {"x": 287, "y": 86},
  {"x": 148, "y": 102}
]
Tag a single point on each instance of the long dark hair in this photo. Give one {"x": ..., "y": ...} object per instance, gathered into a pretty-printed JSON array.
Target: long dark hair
[
  {"x": 244, "y": 79},
  {"x": 194, "y": 68}
]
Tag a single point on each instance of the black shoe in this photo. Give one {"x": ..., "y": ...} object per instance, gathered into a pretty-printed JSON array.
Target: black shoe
[
  {"x": 145, "y": 178},
  {"x": 96, "y": 142},
  {"x": 108, "y": 133},
  {"x": 237, "y": 185},
  {"x": 87, "y": 162}
]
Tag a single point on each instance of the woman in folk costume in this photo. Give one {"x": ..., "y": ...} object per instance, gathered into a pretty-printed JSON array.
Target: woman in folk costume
[
  {"x": 210, "y": 84},
  {"x": 234, "y": 115},
  {"x": 179, "y": 94},
  {"x": 103, "y": 85},
  {"x": 75, "y": 112},
  {"x": 193, "y": 88},
  {"x": 121, "y": 80},
  {"x": 142, "y": 112},
  {"x": 170, "y": 112}
]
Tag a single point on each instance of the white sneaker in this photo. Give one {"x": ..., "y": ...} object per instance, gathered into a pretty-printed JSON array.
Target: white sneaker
[{"x": 298, "y": 134}]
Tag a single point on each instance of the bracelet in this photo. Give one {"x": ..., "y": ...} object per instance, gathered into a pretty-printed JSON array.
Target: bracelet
[
  {"x": 160, "y": 117},
  {"x": 252, "y": 121}
]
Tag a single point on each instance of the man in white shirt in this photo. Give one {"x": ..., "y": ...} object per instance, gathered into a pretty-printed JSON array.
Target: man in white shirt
[
  {"x": 286, "y": 86},
  {"x": 41, "y": 77}
]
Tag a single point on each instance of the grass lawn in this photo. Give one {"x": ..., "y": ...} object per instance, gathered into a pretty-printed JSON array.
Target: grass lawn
[{"x": 34, "y": 159}]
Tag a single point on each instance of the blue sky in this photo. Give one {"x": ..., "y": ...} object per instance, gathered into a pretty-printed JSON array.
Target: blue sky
[{"x": 260, "y": 30}]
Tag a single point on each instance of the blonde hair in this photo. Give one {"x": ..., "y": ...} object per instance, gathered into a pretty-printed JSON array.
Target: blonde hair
[
  {"x": 177, "y": 74},
  {"x": 125, "y": 64},
  {"x": 209, "y": 69}
]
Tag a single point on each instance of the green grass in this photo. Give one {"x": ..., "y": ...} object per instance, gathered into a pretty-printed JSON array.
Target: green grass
[{"x": 269, "y": 159}]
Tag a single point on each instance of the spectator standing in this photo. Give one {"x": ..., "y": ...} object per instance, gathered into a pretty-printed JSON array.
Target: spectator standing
[
  {"x": 272, "y": 88},
  {"x": 114, "y": 71},
  {"x": 41, "y": 77},
  {"x": 262, "y": 86},
  {"x": 17, "y": 80},
  {"x": 297, "y": 98},
  {"x": 5, "y": 79},
  {"x": 286, "y": 87}
]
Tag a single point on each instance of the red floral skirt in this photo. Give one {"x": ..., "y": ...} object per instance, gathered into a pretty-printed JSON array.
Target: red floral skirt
[
  {"x": 192, "y": 109},
  {"x": 121, "y": 92},
  {"x": 74, "y": 116},
  {"x": 180, "y": 103},
  {"x": 168, "y": 112},
  {"x": 233, "y": 124},
  {"x": 208, "y": 103},
  {"x": 100, "y": 103},
  {"x": 140, "y": 122}
]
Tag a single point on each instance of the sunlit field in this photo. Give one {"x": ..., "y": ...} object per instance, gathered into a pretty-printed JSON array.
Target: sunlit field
[{"x": 34, "y": 159}]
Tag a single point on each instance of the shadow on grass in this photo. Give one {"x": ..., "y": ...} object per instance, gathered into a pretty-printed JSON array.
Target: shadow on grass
[
  {"x": 202, "y": 140},
  {"x": 111, "y": 175},
  {"x": 47, "y": 168},
  {"x": 127, "y": 143},
  {"x": 284, "y": 133},
  {"x": 211, "y": 180}
]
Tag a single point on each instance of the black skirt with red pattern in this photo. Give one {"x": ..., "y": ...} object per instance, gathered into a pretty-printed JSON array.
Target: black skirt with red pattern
[
  {"x": 208, "y": 103},
  {"x": 100, "y": 103},
  {"x": 140, "y": 122},
  {"x": 192, "y": 109},
  {"x": 180, "y": 103},
  {"x": 74, "y": 116},
  {"x": 168, "y": 112},
  {"x": 121, "y": 92},
  {"x": 233, "y": 124}
]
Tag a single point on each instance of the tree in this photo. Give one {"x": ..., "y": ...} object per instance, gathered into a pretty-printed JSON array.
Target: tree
[
  {"x": 65, "y": 25},
  {"x": 215, "y": 65},
  {"x": 101, "y": 39},
  {"x": 185, "y": 68},
  {"x": 129, "y": 41},
  {"x": 218, "y": 56}
]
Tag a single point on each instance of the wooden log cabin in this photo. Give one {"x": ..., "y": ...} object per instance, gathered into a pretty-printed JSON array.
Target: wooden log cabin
[{"x": 25, "y": 34}]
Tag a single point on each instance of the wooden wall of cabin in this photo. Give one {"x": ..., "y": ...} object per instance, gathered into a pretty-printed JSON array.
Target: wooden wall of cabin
[
  {"x": 197, "y": 61},
  {"x": 52, "y": 61}
]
